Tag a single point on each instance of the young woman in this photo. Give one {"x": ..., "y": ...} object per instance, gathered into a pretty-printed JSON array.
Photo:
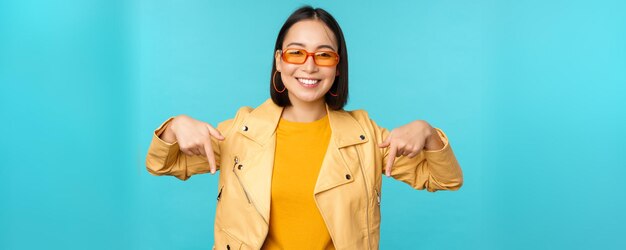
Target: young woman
[{"x": 299, "y": 172}]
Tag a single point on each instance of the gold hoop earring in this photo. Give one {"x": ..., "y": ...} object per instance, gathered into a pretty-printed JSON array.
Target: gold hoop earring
[
  {"x": 274, "y": 83},
  {"x": 331, "y": 93}
]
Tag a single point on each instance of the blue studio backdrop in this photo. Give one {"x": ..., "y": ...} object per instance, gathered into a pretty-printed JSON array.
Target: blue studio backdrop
[{"x": 531, "y": 93}]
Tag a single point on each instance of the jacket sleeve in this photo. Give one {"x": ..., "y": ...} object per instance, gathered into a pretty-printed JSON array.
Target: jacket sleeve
[
  {"x": 166, "y": 158},
  {"x": 431, "y": 170}
]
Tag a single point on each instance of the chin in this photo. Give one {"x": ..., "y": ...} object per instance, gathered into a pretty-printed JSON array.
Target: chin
[{"x": 308, "y": 97}]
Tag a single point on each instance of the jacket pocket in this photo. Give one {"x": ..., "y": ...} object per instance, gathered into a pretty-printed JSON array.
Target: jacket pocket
[{"x": 236, "y": 167}]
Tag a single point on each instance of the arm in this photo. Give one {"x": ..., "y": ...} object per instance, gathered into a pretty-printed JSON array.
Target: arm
[
  {"x": 431, "y": 166},
  {"x": 165, "y": 156}
]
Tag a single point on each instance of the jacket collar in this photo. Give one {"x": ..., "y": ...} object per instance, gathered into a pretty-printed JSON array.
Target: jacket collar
[{"x": 261, "y": 123}]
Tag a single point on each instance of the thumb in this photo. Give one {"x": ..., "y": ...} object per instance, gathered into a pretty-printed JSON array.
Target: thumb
[
  {"x": 385, "y": 143},
  {"x": 215, "y": 133},
  {"x": 390, "y": 158}
]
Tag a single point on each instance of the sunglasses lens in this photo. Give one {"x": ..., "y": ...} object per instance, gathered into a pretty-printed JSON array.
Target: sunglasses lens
[
  {"x": 294, "y": 56},
  {"x": 324, "y": 58}
]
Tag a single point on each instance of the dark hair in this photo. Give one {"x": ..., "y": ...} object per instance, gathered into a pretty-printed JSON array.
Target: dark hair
[{"x": 340, "y": 86}]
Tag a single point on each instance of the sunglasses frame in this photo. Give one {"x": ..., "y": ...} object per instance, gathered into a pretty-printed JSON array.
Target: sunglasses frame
[{"x": 311, "y": 54}]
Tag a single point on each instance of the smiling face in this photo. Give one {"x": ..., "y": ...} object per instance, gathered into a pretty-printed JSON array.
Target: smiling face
[{"x": 307, "y": 82}]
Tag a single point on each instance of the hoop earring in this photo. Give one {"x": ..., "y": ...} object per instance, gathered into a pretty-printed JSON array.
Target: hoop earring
[
  {"x": 332, "y": 94},
  {"x": 274, "y": 83}
]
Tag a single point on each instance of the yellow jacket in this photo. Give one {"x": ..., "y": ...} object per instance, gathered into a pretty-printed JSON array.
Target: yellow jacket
[{"x": 347, "y": 191}]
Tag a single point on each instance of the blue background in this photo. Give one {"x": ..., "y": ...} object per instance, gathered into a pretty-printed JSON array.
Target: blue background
[{"x": 531, "y": 94}]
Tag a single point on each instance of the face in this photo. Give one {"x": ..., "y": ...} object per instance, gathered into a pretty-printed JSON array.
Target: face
[{"x": 307, "y": 82}]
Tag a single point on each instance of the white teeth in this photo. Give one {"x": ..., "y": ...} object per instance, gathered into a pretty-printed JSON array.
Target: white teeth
[{"x": 308, "y": 81}]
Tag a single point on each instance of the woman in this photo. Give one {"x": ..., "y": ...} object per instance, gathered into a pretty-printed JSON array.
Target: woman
[{"x": 299, "y": 172}]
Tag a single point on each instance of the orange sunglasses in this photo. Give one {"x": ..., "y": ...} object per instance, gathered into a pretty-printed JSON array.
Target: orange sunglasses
[{"x": 321, "y": 58}]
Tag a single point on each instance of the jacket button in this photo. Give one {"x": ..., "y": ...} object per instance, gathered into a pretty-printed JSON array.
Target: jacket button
[
  {"x": 348, "y": 177},
  {"x": 244, "y": 128},
  {"x": 228, "y": 247},
  {"x": 362, "y": 137},
  {"x": 240, "y": 167}
]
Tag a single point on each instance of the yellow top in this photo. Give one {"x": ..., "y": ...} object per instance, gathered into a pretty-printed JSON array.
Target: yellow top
[{"x": 295, "y": 221}]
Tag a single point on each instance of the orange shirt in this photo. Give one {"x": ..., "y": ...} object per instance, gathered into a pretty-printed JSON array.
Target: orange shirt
[{"x": 295, "y": 221}]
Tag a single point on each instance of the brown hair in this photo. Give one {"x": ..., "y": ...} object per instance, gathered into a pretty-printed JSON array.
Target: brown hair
[{"x": 340, "y": 86}]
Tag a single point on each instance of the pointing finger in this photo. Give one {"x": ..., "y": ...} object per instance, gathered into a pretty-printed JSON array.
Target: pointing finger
[
  {"x": 210, "y": 157},
  {"x": 390, "y": 158}
]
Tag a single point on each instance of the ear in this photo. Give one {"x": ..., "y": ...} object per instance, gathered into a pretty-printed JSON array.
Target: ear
[
  {"x": 337, "y": 74},
  {"x": 277, "y": 60}
]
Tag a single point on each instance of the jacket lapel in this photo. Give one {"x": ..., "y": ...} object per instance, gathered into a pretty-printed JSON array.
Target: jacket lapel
[
  {"x": 341, "y": 160},
  {"x": 260, "y": 128}
]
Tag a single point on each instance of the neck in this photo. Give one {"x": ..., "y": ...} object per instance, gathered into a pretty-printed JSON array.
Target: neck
[{"x": 305, "y": 111}]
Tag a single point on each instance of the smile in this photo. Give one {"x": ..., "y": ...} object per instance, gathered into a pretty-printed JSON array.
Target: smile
[{"x": 308, "y": 82}]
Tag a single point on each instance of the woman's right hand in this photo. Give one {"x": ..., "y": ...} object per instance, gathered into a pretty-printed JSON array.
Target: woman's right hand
[{"x": 193, "y": 137}]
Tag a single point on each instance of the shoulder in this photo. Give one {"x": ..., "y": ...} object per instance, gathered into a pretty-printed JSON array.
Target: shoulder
[
  {"x": 246, "y": 114},
  {"x": 243, "y": 111},
  {"x": 359, "y": 115},
  {"x": 364, "y": 120},
  {"x": 227, "y": 125}
]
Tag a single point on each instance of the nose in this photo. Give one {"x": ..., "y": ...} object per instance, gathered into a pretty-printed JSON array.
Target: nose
[{"x": 309, "y": 65}]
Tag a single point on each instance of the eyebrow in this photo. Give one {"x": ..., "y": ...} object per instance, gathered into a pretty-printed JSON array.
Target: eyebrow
[{"x": 318, "y": 47}]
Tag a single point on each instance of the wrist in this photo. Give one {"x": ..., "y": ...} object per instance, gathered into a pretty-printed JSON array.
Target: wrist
[
  {"x": 433, "y": 141},
  {"x": 168, "y": 135}
]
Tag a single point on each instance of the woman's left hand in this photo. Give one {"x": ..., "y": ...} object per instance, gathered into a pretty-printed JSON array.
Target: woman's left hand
[{"x": 409, "y": 140}]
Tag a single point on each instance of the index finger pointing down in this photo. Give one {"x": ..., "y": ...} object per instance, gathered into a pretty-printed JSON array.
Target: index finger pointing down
[
  {"x": 390, "y": 158},
  {"x": 210, "y": 157}
]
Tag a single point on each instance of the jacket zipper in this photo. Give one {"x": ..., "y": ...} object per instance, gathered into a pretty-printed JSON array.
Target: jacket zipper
[
  {"x": 239, "y": 180},
  {"x": 244, "y": 189},
  {"x": 219, "y": 195}
]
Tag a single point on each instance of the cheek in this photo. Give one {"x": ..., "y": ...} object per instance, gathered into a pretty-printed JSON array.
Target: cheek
[
  {"x": 287, "y": 68},
  {"x": 331, "y": 74}
]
